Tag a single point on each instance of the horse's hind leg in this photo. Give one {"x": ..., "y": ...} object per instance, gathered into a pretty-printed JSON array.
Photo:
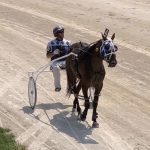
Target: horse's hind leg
[{"x": 86, "y": 104}]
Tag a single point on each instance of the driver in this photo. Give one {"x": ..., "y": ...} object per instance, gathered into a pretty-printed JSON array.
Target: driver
[{"x": 56, "y": 48}]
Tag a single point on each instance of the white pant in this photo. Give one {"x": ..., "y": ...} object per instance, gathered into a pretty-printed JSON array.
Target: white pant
[{"x": 56, "y": 67}]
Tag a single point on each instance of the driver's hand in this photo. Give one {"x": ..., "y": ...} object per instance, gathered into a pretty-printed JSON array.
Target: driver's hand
[
  {"x": 56, "y": 52},
  {"x": 48, "y": 54}
]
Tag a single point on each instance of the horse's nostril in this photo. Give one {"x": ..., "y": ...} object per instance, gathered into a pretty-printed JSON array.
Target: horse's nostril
[{"x": 114, "y": 62}]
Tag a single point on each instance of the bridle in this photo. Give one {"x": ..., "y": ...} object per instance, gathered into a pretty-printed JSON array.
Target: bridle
[
  {"x": 107, "y": 49},
  {"x": 87, "y": 47}
]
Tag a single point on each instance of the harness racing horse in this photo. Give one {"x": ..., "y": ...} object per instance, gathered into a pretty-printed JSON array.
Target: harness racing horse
[{"x": 87, "y": 68}]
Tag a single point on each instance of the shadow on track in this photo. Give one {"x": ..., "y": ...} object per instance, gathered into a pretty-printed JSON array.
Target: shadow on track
[{"x": 64, "y": 122}]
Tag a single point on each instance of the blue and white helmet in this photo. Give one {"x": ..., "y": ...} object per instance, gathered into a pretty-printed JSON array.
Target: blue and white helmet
[{"x": 57, "y": 29}]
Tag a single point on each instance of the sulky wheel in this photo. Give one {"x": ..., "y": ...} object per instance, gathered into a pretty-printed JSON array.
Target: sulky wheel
[{"x": 32, "y": 92}]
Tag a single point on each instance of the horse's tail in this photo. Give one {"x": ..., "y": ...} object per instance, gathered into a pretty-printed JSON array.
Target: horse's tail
[{"x": 71, "y": 80}]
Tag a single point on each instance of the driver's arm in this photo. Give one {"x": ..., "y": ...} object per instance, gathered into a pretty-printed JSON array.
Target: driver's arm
[{"x": 49, "y": 52}]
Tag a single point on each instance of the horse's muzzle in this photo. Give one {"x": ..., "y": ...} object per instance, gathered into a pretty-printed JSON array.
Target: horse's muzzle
[{"x": 112, "y": 63}]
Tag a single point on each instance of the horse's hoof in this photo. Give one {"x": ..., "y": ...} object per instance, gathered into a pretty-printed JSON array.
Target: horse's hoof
[
  {"x": 73, "y": 109},
  {"x": 79, "y": 111},
  {"x": 82, "y": 117},
  {"x": 95, "y": 125}
]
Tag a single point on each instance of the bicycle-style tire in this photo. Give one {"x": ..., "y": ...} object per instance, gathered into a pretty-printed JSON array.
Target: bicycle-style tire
[{"x": 32, "y": 92}]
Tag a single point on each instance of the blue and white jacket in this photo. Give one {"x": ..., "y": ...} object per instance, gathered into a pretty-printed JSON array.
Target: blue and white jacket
[{"x": 62, "y": 45}]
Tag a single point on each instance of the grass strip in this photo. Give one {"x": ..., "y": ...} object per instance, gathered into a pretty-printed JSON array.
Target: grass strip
[{"x": 7, "y": 141}]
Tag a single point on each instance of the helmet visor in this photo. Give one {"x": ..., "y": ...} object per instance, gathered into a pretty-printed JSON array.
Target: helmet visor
[{"x": 60, "y": 31}]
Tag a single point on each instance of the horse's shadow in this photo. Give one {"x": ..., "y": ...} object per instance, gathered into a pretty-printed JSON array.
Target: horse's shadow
[
  {"x": 43, "y": 106},
  {"x": 65, "y": 122}
]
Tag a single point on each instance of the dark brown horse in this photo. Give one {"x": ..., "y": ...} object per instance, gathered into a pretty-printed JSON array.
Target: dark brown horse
[{"x": 88, "y": 69}]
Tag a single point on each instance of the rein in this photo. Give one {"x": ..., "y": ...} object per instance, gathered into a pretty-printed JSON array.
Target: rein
[{"x": 83, "y": 49}]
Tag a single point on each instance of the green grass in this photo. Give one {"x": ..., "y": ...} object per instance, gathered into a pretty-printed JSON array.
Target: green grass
[{"x": 7, "y": 141}]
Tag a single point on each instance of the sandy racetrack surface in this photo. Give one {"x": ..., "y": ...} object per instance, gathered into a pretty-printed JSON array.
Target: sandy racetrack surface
[{"x": 124, "y": 105}]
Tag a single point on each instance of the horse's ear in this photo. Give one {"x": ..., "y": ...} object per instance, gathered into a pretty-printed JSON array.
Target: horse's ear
[
  {"x": 113, "y": 36},
  {"x": 106, "y": 32},
  {"x": 104, "y": 38}
]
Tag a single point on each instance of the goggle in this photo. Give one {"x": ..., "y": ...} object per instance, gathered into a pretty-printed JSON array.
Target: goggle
[{"x": 60, "y": 31}]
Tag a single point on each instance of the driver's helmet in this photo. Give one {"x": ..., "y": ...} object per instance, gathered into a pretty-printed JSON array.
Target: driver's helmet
[{"x": 57, "y": 29}]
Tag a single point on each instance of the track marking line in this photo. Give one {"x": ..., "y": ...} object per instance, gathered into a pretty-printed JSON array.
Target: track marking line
[
  {"x": 20, "y": 125},
  {"x": 24, "y": 136}
]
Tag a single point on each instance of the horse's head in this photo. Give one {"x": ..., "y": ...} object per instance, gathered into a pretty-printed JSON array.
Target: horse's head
[{"x": 108, "y": 49}]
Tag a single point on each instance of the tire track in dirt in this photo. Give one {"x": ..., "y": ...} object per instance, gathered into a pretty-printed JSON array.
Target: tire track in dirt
[
  {"x": 115, "y": 141},
  {"x": 9, "y": 83},
  {"x": 33, "y": 127},
  {"x": 27, "y": 134},
  {"x": 17, "y": 59},
  {"x": 82, "y": 29},
  {"x": 128, "y": 82},
  {"x": 40, "y": 43},
  {"x": 106, "y": 138},
  {"x": 105, "y": 135},
  {"x": 137, "y": 122},
  {"x": 141, "y": 74},
  {"x": 24, "y": 136},
  {"x": 45, "y": 92},
  {"x": 13, "y": 120},
  {"x": 42, "y": 138}
]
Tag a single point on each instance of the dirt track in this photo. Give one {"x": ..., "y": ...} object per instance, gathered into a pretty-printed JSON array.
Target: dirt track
[{"x": 124, "y": 107}]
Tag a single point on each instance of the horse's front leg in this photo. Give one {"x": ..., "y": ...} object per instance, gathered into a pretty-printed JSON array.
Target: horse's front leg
[
  {"x": 95, "y": 104},
  {"x": 76, "y": 101},
  {"x": 86, "y": 104}
]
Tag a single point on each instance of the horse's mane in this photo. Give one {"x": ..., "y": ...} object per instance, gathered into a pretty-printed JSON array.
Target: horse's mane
[
  {"x": 85, "y": 49},
  {"x": 92, "y": 46}
]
